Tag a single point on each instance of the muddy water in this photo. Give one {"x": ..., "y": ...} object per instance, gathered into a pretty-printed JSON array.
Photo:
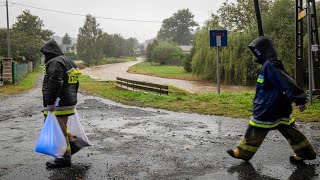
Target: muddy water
[
  {"x": 143, "y": 143},
  {"x": 109, "y": 72}
]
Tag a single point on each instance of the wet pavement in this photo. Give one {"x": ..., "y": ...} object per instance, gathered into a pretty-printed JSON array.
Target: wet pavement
[
  {"x": 109, "y": 72},
  {"x": 143, "y": 143}
]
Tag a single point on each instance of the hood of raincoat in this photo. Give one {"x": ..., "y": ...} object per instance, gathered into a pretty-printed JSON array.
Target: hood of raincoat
[
  {"x": 51, "y": 50},
  {"x": 264, "y": 49}
]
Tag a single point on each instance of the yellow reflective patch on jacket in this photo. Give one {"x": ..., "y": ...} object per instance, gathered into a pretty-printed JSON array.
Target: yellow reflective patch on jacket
[
  {"x": 73, "y": 75},
  {"x": 260, "y": 79}
]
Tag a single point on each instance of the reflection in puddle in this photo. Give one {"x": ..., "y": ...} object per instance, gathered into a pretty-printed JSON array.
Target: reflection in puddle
[
  {"x": 76, "y": 171},
  {"x": 246, "y": 171},
  {"x": 304, "y": 171}
]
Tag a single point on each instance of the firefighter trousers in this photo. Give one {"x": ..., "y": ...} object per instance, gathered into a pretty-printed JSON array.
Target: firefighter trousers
[
  {"x": 254, "y": 136},
  {"x": 63, "y": 120}
]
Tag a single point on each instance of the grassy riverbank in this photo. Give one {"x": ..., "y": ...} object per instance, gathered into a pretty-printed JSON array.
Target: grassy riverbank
[
  {"x": 165, "y": 71},
  {"x": 235, "y": 104}
]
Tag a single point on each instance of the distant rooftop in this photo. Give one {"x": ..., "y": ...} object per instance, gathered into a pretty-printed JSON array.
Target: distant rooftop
[{"x": 186, "y": 48}]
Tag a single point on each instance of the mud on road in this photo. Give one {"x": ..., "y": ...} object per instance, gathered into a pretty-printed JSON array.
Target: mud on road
[{"x": 143, "y": 143}]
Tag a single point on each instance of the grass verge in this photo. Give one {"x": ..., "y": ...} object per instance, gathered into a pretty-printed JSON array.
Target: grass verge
[
  {"x": 24, "y": 85},
  {"x": 230, "y": 104},
  {"x": 165, "y": 71}
]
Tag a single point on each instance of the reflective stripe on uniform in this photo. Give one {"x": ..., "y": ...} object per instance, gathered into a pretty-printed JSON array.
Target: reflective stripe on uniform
[
  {"x": 301, "y": 145},
  {"x": 68, "y": 148},
  {"x": 264, "y": 124},
  {"x": 243, "y": 146},
  {"x": 62, "y": 112}
]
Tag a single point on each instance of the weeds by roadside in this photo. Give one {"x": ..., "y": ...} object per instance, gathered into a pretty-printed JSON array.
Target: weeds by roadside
[{"x": 24, "y": 85}]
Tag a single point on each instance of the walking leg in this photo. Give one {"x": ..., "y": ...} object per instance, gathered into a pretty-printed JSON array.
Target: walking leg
[
  {"x": 249, "y": 145},
  {"x": 66, "y": 160},
  {"x": 63, "y": 120},
  {"x": 298, "y": 142}
]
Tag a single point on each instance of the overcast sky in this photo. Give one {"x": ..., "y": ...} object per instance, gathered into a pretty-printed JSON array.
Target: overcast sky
[{"x": 140, "y": 10}]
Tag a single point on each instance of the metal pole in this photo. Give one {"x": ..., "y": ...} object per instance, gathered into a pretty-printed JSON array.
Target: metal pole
[
  {"x": 8, "y": 31},
  {"x": 218, "y": 70},
  {"x": 258, "y": 15},
  {"x": 309, "y": 49}
]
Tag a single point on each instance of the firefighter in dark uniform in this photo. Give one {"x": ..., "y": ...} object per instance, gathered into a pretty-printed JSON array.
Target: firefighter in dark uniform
[
  {"x": 275, "y": 93},
  {"x": 60, "y": 87}
]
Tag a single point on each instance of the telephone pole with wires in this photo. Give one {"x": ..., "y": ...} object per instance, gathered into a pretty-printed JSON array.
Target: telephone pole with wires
[{"x": 8, "y": 31}]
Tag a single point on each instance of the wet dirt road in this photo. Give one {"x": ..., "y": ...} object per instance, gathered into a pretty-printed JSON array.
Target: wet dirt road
[
  {"x": 109, "y": 72},
  {"x": 142, "y": 143}
]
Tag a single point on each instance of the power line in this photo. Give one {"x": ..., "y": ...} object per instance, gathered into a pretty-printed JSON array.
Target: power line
[{"x": 75, "y": 14}]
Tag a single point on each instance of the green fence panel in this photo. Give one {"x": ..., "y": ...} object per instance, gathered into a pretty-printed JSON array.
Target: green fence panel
[
  {"x": 19, "y": 72},
  {"x": 36, "y": 63},
  {"x": 1, "y": 72}
]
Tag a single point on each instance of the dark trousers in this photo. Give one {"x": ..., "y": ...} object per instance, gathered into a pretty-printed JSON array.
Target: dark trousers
[{"x": 254, "y": 136}]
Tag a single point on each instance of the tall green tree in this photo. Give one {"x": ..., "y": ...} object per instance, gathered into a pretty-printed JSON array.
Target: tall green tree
[
  {"x": 27, "y": 37},
  {"x": 109, "y": 47},
  {"x": 280, "y": 26},
  {"x": 89, "y": 46},
  {"x": 241, "y": 14},
  {"x": 178, "y": 28},
  {"x": 149, "y": 50},
  {"x": 66, "y": 39},
  {"x": 131, "y": 45},
  {"x": 3, "y": 42}
]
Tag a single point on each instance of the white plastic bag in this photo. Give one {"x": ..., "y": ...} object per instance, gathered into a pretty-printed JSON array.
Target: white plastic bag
[
  {"x": 51, "y": 140},
  {"x": 76, "y": 129}
]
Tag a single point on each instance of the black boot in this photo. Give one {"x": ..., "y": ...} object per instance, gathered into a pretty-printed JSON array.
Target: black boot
[{"x": 59, "y": 163}]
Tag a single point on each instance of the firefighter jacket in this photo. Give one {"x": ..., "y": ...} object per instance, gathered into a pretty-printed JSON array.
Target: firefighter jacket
[
  {"x": 275, "y": 90},
  {"x": 60, "y": 84}
]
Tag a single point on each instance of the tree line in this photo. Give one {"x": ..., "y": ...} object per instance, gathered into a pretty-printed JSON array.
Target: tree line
[
  {"x": 27, "y": 35},
  {"x": 94, "y": 44}
]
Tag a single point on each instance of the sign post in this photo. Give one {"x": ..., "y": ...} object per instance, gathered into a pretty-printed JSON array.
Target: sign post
[{"x": 218, "y": 38}]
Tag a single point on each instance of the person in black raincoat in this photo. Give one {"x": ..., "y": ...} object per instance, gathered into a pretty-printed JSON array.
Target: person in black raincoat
[
  {"x": 275, "y": 93},
  {"x": 60, "y": 87}
]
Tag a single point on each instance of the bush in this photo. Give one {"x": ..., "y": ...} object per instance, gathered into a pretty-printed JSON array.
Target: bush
[
  {"x": 187, "y": 63},
  {"x": 167, "y": 53}
]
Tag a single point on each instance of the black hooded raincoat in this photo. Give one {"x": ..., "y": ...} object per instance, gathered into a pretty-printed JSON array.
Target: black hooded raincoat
[
  {"x": 60, "y": 84},
  {"x": 276, "y": 90}
]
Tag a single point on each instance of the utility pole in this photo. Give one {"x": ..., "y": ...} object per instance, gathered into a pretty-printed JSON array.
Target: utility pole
[
  {"x": 258, "y": 15},
  {"x": 8, "y": 31},
  {"x": 308, "y": 11},
  {"x": 309, "y": 51}
]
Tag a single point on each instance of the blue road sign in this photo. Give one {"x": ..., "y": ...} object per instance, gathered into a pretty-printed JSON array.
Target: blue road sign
[{"x": 218, "y": 38}]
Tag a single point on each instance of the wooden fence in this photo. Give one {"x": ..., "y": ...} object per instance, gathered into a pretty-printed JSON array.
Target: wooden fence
[{"x": 139, "y": 85}]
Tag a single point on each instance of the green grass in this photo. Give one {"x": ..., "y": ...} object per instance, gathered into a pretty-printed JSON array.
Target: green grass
[
  {"x": 166, "y": 71},
  {"x": 24, "y": 85},
  {"x": 230, "y": 104}
]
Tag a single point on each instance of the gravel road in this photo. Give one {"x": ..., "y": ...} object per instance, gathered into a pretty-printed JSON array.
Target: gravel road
[{"x": 143, "y": 143}]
